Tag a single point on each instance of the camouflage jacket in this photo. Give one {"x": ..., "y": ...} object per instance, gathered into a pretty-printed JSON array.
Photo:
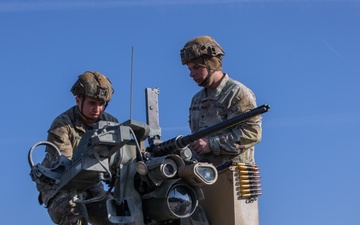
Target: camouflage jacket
[
  {"x": 212, "y": 106},
  {"x": 65, "y": 132}
]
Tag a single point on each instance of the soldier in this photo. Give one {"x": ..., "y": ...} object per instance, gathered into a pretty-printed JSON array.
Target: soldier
[
  {"x": 220, "y": 98},
  {"x": 93, "y": 92}
]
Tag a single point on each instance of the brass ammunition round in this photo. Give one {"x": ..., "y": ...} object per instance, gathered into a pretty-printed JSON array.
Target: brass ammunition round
[
  {"x": 244, "y": 186},
  {"x": 250, "y": 195},
  {"x": 248, "y": 168},
  {"x": 251, "y": 190},
  {"x": 248, "y": 172},
  {"x": 249, "y": 177},
  {"x": 248, "y": 181},
  {"x": 245, "y": 164},
  {"x": 245, "y": 182}
]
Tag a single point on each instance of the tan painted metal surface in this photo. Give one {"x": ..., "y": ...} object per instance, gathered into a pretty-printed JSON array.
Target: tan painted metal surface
[{"x": 223, "y": 205}]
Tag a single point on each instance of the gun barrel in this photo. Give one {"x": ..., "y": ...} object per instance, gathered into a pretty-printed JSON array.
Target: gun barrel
[
  {"x": 224, "y": 125},
  {"x": 180, "y": 142}
]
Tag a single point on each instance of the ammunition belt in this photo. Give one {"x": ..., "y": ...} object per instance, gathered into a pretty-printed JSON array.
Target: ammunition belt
[{"x": 249, "y": 181}]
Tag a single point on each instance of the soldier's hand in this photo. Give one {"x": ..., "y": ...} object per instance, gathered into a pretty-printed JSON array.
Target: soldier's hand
[{"x": 201, "y": 146}]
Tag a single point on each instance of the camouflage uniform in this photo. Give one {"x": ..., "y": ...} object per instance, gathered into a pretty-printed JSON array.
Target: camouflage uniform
[
  {"x": 212, "y": 106},
  {"x": 65, "y": 132}
]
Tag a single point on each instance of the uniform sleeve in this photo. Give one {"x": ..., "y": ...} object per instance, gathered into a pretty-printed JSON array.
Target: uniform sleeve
[
  {"x": 60, "y": 136},
  {"x": 235, "y": 140}
]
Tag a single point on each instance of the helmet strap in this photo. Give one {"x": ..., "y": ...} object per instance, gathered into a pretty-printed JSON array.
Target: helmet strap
[{"x": 205, "y": 82}]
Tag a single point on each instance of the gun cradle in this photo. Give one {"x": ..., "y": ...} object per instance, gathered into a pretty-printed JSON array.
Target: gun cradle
[
  {"x": 91, "y": 164},
  {"x": 83, "y": 173}
]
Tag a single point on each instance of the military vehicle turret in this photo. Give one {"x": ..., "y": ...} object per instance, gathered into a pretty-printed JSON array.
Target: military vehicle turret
[{"x": 153, "y": 183}]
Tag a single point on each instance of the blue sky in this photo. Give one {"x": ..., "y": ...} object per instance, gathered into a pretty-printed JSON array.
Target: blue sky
[{"x": 301, "y": 57}]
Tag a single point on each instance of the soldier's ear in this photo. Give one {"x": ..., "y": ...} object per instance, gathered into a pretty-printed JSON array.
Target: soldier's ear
[{"x": 78, "y": 101}]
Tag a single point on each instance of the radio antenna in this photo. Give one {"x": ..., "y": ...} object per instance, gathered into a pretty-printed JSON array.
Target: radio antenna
[{"x": 131, "y": 79}]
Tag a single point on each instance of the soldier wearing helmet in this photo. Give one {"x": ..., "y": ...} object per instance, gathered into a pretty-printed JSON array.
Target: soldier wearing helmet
[
  {"x": 220, "y": 99},
  {"x": 93, "y": 87},
  {"x": 92, "y": 92},
  {"x": 204, "y": 52}
]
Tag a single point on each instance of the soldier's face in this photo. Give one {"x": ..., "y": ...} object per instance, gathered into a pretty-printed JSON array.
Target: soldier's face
[
  {"x": 91, "y": 107},
  {"x": 197, "y": 72}
]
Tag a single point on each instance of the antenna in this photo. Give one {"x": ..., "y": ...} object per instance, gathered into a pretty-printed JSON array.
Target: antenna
[{"x": 131, "y": 79}]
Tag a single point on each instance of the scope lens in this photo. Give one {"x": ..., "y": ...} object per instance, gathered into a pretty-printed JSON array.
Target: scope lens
[
  {"x": 206, "y": 172},
  {"x": 180, "y": 201},
  {"x": 169, "y": 170}
]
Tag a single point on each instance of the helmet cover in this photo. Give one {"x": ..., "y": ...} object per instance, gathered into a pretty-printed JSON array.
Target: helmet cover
[
  {"x": 93, "y": 84},
  {"x": 204, "y": 46}
]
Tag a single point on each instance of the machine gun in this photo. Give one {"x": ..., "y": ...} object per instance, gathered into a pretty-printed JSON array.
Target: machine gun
[{"x": 158, "y": 184}]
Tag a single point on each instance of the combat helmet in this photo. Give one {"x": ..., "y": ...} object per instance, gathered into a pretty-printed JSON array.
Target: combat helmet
[
  {"x": 204, "y": 46},
  {"x": 93, "y": 84}
]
